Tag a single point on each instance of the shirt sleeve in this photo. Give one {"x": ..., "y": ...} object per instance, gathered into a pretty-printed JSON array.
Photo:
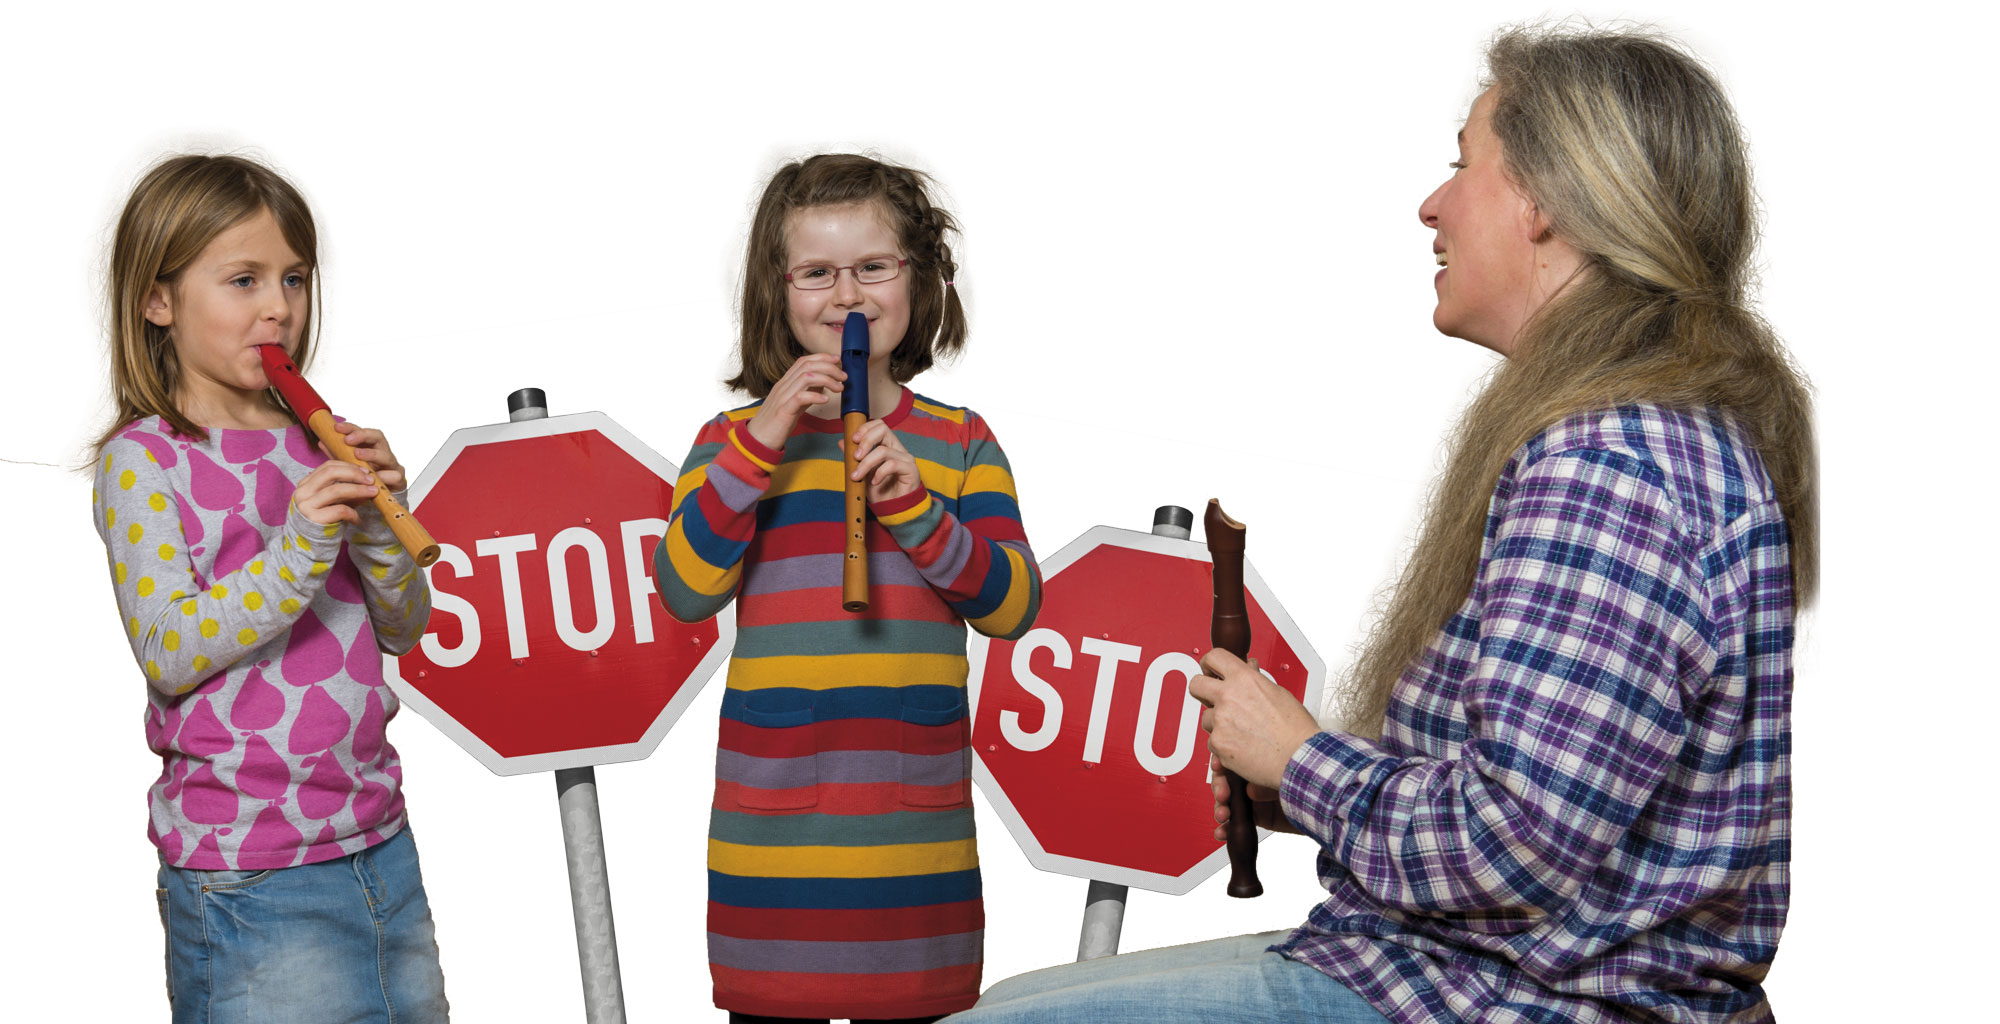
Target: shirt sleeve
[
  {"x": 698, "y": 564},
  {"x": 180, "y": 632},
  {"x": 1588, "y": 599},
  {"x": 398, "y": 595},
  {"x": 979, "y": 560}
]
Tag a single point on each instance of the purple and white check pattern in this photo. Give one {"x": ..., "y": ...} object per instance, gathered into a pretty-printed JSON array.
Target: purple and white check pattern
[{"x": 1580, "y": 809}]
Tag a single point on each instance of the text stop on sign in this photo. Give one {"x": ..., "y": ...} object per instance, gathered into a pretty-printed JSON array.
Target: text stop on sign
[
  {"x": 1087, "y": 742},
  {"x": 546, "y": 647}
]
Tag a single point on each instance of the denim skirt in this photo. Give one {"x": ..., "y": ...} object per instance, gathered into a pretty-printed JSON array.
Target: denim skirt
[{"x": 346, "y": 940}]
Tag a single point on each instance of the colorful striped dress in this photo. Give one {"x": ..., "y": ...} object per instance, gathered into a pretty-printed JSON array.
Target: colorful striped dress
[{"x": 843, "y": 870}]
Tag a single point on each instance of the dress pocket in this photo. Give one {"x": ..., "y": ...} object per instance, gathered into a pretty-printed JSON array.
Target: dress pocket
[
  {"x": 778, "y": 769},
  {"x": 935, "y": 758}
]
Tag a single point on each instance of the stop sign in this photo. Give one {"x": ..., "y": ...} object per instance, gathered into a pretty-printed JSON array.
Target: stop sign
[
  {"x": 546, "y": 646},
  {"x": 1088, "y": 745}
]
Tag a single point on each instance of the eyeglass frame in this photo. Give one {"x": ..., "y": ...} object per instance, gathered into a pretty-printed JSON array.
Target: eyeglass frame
[{"x": 835, "y": 279}]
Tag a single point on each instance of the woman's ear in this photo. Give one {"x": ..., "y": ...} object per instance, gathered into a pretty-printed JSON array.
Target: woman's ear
[{"x": 160, "y": 305}]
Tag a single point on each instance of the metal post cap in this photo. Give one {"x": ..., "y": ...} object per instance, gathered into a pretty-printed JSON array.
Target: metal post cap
[{"x": 1174, "y": 515}]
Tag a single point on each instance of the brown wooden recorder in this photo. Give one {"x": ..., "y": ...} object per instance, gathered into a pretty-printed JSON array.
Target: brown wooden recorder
[
  {"x": 854, "y": 413},
  {"x": 312, "y": 412},
  {"x": 1229, "y": 629}
]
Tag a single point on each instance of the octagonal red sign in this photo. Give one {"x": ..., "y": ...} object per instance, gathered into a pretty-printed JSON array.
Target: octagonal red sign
[
  {"x": 1087, "y": 743},
  {"x": 547, "y": 647}
]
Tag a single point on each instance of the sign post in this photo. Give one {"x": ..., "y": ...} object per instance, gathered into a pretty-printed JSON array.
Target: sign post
[
  {"x": 1087, "y": 743},
  {"x": 546, "y": 650}
]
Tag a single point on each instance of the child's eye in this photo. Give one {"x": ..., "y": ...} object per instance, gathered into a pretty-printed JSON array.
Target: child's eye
[
  {"x": 295, "y": 280},
  {"x": 814, "y": 272},
  {"x": 243, "y": 282}
]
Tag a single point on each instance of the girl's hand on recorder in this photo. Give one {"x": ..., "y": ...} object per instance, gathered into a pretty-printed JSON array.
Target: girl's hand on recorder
[
  {"x": 813, "y": 380},
  {"x": 373, "y": 449},
  {"x": 331, "y": 491},
  {"x": 881, "y": 459}
]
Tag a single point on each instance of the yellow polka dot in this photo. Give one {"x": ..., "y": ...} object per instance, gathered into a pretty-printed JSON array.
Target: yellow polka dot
[
  {"x": 403, "y": 584},
  {"x": 253, "y": 601},
  {"x": 187, "y": 607},
  {"x": 118, "y": 572},
  {"x": 218, "y": 591},
  {"x": 391, "y": 631},
  {"x": 158, "y": 502},
  {"x": 285, "y": 573},
  {"x": 330, "y": 530},
  {"x": 257, "y": 567},
  {"x": 110, "y": 518},
  {"x": 380, "y": 572},
  {"x": 201, "y": 662},
  {"x": 176, "y": 595},
  {"x": 107, "y": 463},
  {"x": 393, "y": 549},
  {"x": 145, "y": 586},
  {"x": 153, "y": 669},
  {"x": 135, "y": 532},
  {"x": 247, "y": 637},
  {"x": 320, "y": 568},
  {"x": 127, "y": 479},
  {"x": 172, "y": 641},
  {"x": 288, "y": 606},
  {"x": 132, "y": 626},
  {"x": 166, "y": 552},
  {"x": 285, "y": 542},
  {"x": 210, "y": 627},
  {"x": 151, "y": 459}
]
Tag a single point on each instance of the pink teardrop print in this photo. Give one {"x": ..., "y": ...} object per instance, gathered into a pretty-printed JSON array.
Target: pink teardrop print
[
  {"x": 175, "y": 780},
  {"x": 191, "y": 530},
  {"x": 202, "y": 733},
  {"x": 207, "y": 856},
  {"x": 321, "y": 723},
  {"x": 312, "y": 653},
  {"x": 325, "y": 835},
  {"x": 326, "y": 791},
  {"x": 170, "y": 844},
  {"x": 369, "y": 737},
  {"x": 364, "y": 662},
  {"x": 344, "y": 582},
  {"x": 272, "y": 842},
  {"x": 258, "y": 705},
  {"x": 274, "y": 493},
  {"x": 301, "y": 448},
  {"x": 240, "y": 543},
  {"x": 162, "y": 449},
  {"x": 377, "y": 805},
  {"x": 263, "y": 773},
  {"x": 240, "y": 446},
  {"x": 214, "y": 487},
  {"x": 206, "y": 800}
]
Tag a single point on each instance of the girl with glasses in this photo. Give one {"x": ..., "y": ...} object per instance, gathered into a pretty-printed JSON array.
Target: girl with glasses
[{"x": 843, "y": 874}]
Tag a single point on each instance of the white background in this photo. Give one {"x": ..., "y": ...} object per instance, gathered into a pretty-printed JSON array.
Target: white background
[{"x": 1194, "y": 269}]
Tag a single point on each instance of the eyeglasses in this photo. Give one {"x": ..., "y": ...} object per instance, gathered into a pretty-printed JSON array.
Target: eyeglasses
[{"x": 814, "y": 276}]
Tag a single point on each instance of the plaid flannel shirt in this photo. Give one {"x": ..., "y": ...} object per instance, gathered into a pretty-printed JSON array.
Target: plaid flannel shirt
[{"x": 1580, "y": 806}]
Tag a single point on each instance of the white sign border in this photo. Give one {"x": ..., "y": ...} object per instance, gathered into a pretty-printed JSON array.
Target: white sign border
[
  {"x": 1091, "y": 539},
  {"x": 582, "y": 757}
]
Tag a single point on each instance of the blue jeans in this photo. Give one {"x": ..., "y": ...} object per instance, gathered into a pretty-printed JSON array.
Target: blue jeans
[
  {"x": 1218, "y": 980},
  {"x": 346, "y": 940}
]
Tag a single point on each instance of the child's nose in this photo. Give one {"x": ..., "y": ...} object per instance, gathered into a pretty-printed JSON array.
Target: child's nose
[{"x": 846, "y": 287}]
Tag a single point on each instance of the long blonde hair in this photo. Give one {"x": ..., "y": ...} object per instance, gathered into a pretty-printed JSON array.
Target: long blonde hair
[
  {"x": 177, "y": 208},
  {"x": 1629, "y": 148}
]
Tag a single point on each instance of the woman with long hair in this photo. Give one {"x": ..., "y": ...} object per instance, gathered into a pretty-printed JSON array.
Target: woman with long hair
[{"x": 1562, "y": 789}]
